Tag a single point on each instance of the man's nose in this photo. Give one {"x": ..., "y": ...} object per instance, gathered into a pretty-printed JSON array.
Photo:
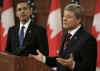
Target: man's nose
[
  {"x": 22, "y": 10},
  {"x": 64, "y": 19}
]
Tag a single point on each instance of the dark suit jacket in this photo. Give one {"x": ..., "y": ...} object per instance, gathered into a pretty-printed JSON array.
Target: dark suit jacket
[
  {"x": 83, "y": 46},
  {"x": 35, "y": 38}
]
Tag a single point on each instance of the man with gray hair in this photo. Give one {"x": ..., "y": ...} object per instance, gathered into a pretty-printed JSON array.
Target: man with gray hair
[{"x": 79, "y": 51}]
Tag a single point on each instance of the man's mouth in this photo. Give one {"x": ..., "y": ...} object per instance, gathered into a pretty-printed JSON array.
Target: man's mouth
[
  {"x": 64, "y": 23},
  {"x": 23, "y": 15}
]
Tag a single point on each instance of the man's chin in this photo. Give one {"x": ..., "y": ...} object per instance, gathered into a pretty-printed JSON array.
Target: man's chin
[
  {"x": 65, "y": 27},
  {"x": 23, "y": 20}
]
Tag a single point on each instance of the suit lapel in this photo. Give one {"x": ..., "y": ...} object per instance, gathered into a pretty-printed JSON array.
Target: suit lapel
[
  {"x": 16, "y": 35},
  {"x": 76, "y": 37},
  {"x": 62, "y": 45},
  {"x": 72, "y": 44},
  {"x": 28, "y": 34}
]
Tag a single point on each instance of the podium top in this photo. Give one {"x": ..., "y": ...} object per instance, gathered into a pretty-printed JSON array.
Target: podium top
[{"x": 9, "y": 62}]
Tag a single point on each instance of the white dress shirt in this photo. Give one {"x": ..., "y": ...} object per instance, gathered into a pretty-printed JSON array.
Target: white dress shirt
[
  {"x": 72, "y": 32},
  {"x": 25, "y": 25}
]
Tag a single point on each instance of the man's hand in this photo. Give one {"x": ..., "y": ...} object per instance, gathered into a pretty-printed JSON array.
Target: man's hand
[
  {"x": 38, "y": 57},
  {"x": 66, "y": 62}
]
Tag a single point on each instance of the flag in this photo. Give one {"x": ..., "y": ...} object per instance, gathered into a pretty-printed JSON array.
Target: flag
[
  {"x": 7, "y": 20},
  {"x": 96, "y": 32},
  {"x": 32, "y": 5},
  {"x": 0, "y": 16},
  {"x": 54, "y": 28}
]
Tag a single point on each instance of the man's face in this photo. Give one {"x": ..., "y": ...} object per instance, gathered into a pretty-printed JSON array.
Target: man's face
[
  {"x": 23, "y": 12},
  {"x": 70, "y": 21}
]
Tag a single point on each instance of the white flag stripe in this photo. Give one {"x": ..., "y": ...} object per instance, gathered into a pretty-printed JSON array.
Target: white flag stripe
[
  {"x": 97, "y": 24},
  {"x": 96, "y": 32},
  {"x": 97, "y": 69},
  {"x": 7, "y": 19},
  {"x": 54, "y": 28},
  {"x": 55, "y": 22},
  {"x": 96, "y": 21}
]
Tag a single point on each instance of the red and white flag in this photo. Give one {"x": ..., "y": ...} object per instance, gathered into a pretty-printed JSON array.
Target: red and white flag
[
  {"x": 54, "y": 28},
  {"x": 7, "y": 20},
  {"x": 96, "y": 32}
]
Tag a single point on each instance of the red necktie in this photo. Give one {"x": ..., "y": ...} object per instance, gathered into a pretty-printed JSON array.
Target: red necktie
[{"x": 67, "y": 39}]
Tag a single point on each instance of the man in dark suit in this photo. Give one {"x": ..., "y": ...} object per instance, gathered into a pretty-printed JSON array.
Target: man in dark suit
[
  {"x": 32, "y": 37},
  {"x": 81, "y": 52}
]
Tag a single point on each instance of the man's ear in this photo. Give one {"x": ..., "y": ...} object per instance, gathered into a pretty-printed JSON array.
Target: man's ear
[
  {"x": 31, "y": 11},
  {"x": 79, "y": 20}
]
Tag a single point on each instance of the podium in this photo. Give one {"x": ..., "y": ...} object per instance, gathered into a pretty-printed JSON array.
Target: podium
[{"x": 10, "y": 62}]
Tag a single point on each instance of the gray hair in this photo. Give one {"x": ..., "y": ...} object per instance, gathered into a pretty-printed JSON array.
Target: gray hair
[{"x": 76, "y": 9}]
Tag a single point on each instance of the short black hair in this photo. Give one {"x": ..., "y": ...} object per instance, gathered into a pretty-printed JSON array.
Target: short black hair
[{"x": 21, "y": 1}]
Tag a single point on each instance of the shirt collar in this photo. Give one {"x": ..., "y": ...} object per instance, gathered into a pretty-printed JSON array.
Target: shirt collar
[
  {"x": 72, "y": 32},
  {"x": 26, "y": 24}
]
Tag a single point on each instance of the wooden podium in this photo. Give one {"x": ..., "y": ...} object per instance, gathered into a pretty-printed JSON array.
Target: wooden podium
[{"x": 10, "y": 62}]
